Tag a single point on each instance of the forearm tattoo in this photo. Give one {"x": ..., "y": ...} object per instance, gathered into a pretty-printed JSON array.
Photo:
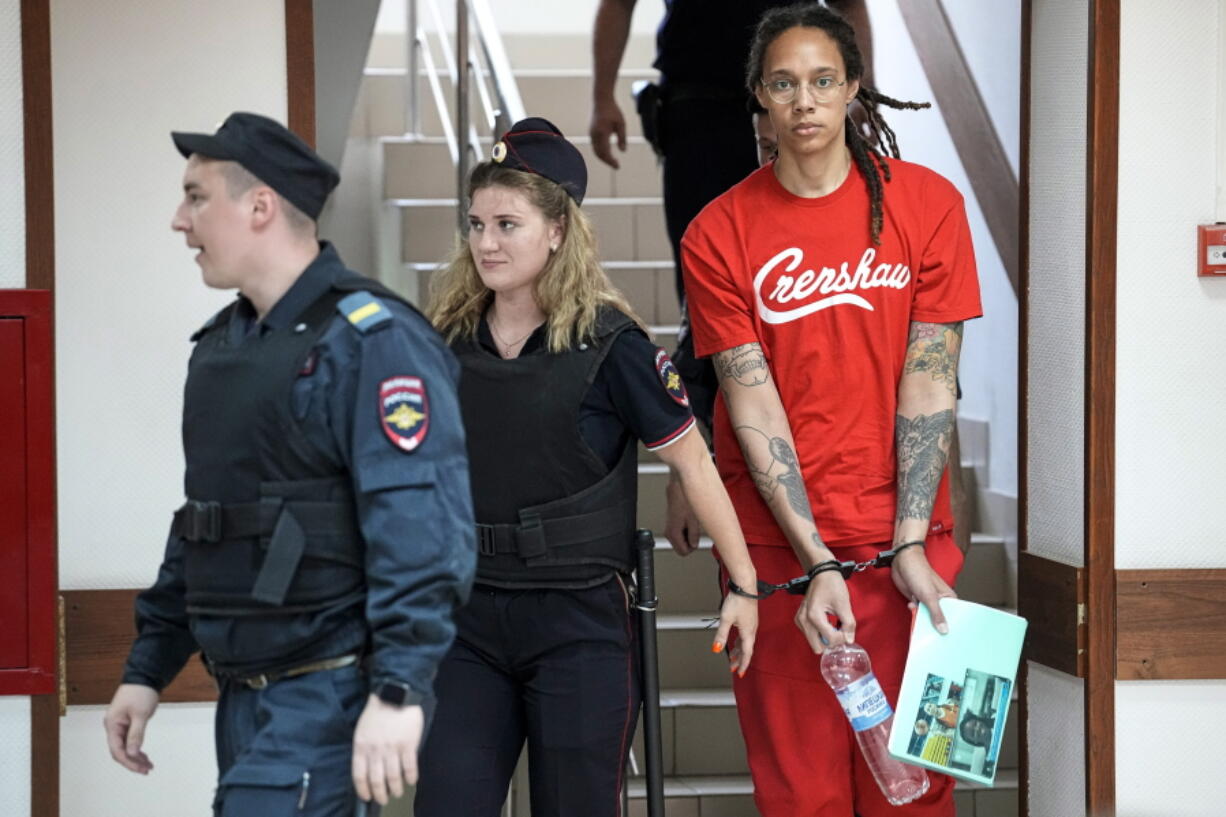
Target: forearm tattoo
[
  {"x": 745, "y": 364},
  {"x": 923, "y": 448},
  {"x": 774, "y": 465},
  {"x": 934, "y": 348}
]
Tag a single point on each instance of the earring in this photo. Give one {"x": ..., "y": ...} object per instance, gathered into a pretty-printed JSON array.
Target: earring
[{"x": 553, "y": 247}]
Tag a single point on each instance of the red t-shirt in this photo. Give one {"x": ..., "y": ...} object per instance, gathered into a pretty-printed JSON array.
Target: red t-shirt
[{"x": 832, "y": 313}]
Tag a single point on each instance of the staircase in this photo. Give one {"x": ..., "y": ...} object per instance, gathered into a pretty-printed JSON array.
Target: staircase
[{"x": 704, "y": 756}]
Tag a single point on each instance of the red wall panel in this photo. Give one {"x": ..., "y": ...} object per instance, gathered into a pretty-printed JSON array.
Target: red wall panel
[{"x": 27, "y": 495}]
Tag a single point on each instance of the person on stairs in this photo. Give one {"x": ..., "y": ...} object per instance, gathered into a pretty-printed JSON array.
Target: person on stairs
[{"x": 559, "y": 385}]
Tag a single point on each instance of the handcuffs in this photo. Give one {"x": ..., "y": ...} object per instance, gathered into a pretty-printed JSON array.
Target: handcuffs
[{"x": 800, "y": 585}]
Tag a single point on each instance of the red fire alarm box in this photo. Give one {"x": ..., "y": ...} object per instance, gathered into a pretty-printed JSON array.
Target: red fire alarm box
[
  {"x": 1211, "y": 250},
  {"x": 27, "y": 495}
]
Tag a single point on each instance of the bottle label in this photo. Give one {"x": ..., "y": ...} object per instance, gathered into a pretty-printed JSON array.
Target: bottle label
[{"x": 864, "y": 702}]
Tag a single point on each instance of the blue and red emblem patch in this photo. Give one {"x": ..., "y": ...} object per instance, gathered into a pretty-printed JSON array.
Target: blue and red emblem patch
[
  {"x": 670, "y": 378},
  {"x": 404, "y": 411}
]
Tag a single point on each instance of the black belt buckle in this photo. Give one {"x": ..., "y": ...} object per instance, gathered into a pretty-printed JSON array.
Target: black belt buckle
[
  {"x": 202, "y": 521},
  {"x": 486, "y": 540}
]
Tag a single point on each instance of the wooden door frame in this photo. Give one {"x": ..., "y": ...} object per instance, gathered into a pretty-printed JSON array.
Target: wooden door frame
[
  {"x": 45, "y": 710},
  {"x": 1075, "y": 609}
]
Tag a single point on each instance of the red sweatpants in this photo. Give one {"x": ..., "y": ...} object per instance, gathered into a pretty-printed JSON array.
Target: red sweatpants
[{"x": 802, "y": 751}]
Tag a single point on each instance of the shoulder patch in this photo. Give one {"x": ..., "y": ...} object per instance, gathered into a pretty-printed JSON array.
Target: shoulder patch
[
  {"x": 404, "y": 411},
  {"x": 670, "y": 378},
  {"x": 364, "y": 311}
]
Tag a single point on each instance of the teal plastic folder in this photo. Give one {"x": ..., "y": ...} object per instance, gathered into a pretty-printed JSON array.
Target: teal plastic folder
[{"x": 956, "y": 688}]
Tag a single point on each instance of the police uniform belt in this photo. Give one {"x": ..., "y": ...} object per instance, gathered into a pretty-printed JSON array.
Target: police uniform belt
[
  {"x": 533, "y": 536},
  {"x": 265, "y": 678}
]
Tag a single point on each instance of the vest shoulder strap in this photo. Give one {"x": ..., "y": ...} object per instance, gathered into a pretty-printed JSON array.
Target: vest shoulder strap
[{"x": 220, "y": 318}]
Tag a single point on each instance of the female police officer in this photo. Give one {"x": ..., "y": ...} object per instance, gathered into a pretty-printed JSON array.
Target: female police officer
[{"x": 558, "y": 383}]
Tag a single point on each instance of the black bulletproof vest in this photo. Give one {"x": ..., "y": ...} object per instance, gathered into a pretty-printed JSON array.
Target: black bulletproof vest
[
  {"x": 550, "y": 513},
  {"x": 269, "y": 526}
]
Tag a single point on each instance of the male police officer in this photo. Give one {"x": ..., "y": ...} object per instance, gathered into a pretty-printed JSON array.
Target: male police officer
[{"x": 328, "y": 532}]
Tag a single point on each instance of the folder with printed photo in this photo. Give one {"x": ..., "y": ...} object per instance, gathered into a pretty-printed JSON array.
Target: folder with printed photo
[{"x": 955, "y": 690}]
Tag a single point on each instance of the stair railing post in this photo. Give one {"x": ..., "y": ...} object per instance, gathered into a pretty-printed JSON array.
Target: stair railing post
[
  {"x": 461, "y": 103},
  {"x": 645, "y": 545},
  {"x": 413, "y": 57}
]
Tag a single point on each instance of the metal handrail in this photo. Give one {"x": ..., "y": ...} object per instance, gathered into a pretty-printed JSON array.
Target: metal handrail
[{"x": 487, "y": 65}]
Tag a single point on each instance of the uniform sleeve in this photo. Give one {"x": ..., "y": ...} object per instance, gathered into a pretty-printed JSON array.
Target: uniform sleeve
[
  {"x": 163, "y": 641},
  {"x": 646, "y": 391},
  {"x": 410, "y": 471},
  {"x": 947, "y": 284},
  {"x": 720, "y": 315}
]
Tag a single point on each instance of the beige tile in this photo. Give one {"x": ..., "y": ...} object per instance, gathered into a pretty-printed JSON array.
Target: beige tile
[
  {"x": 687, "y": 584},
  {"x": 429, "y": 233},
  {"x": 383, "y": 100},
  {"x": 984, "y": 574},
  {"x": 600, "y": 182},
  {"x": 709, "y": 742},
  {"x": 418, "y": 170},
  {"x": 614, "y": 227},
  {"x": 650, "y": 234},
  {"x": 639, "y": 287},
  {"x": 674, "y": 806},
  {"x": 652, "y": 502},
  {"x": 686, "y": 661},
  {"x": 667, "y": 306},
  {"x": 733, "y": 806},
  {"x": 667, "y": 753},
  {"x": 996, "y": 803},
  {"x": 639, "y": 174},
  {"x": 1008, "y": 746},
  {"x": 566, "y": 101},
  {"x": 964, "y": 803}
]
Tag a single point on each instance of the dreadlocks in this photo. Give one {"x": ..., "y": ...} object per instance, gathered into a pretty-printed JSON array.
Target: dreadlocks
[{"x": 869, "y": 146}]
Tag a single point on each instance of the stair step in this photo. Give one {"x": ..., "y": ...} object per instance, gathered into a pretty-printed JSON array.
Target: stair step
[
  {"x": 696, "y": 698},
  {"x": 734, "y": 784},
  {"x": 645, "y": 266},
  {"x": 601, "y": 201}
]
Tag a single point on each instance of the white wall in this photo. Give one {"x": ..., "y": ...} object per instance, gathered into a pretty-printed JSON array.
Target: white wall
[
  {"x": 537, "y": 17},
  {"x": 12, "y": 154},
  {"x": 990, "y": 38},
  {"x": 1171, "y": 326},
  {"x": 15, "y": 755},
  {"x": 128, "y": 295},
  {"x": 1170, "y": 459},
  {"x": 14, "y": 711}
]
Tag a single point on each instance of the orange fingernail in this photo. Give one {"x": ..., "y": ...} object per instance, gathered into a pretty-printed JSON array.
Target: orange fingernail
[{"x": 717, "y": 647}]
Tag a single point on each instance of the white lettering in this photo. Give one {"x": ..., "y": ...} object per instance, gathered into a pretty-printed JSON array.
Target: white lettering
[{"x": 841, "y": 281}]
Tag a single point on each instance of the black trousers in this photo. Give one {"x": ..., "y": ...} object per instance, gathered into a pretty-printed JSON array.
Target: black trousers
[
  {"x": 556, "y": 668},
  {"x": 709, "y": 146}
]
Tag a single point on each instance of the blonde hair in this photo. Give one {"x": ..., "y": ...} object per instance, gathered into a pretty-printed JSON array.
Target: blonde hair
[{"x": 570, "y": 289}]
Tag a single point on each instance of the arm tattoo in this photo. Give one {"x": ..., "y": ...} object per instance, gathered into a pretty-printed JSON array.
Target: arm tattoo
[
  {"x": 934, "y": 348},
  {"x": 745, "y": 364},
  {"x": 923, "y": 448},
  {"x": 778, "y": 456}
]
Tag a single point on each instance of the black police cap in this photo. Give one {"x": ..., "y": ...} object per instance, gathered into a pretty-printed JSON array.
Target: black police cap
[
  {"x": 272, "y": 153},
  {"x": 537, "y": 146}
]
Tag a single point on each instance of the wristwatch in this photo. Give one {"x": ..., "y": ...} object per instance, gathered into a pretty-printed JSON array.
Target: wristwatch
[{"x": 396, "y": 693}]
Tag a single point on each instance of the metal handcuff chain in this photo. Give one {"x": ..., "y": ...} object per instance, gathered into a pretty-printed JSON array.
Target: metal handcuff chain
[{"x": 800, "y": 585}]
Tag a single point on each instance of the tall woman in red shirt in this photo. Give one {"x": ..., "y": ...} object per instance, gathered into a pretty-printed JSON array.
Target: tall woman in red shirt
[{"x": 830, "y": 288}]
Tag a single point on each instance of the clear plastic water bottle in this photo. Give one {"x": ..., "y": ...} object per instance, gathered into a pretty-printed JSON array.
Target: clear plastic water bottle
[{"x": 849, "y": 672}]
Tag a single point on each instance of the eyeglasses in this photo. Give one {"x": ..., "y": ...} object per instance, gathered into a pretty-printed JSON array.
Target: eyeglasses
[{"x": 784, "y": 91}]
